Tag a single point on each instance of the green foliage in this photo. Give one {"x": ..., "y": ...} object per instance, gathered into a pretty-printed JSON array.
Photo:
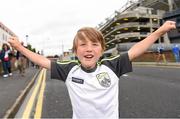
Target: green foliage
[{"x": 29, "y": 46}]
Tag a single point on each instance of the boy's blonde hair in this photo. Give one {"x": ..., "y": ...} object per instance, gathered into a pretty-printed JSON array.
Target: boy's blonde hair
[{"x": 92, "y": 34}]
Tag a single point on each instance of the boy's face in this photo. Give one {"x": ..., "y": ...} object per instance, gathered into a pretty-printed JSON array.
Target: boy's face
[{"x": 88, "y": 53}]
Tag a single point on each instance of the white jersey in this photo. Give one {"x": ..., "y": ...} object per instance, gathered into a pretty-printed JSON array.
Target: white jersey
[{"x": 93, "y": 93}]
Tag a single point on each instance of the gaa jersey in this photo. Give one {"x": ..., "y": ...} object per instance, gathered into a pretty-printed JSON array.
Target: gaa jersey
[{"x": 93, "y": 93}]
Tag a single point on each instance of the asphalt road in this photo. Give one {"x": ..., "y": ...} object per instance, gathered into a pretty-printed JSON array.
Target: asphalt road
[
  {"x": 150, "y": 93},
  {"x": 145, "y": 93},
  {"x": 12, "y": 87}
]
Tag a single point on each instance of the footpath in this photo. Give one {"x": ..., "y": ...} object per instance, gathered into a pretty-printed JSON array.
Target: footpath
[{"x": 12, "y": 87}]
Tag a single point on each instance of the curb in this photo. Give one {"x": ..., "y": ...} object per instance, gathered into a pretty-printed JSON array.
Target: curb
[
  {"x": 161, "y": 64},
  {"x": 10, "y": 113}
]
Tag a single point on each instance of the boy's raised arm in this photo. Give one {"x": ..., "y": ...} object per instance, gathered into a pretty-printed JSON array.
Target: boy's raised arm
[
  {"x": 141, "y": 47},
  {"x": 36, "y": 58}
]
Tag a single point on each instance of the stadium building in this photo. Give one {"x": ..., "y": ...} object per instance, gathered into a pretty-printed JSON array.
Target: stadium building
[{"x": 136, "y": 20}]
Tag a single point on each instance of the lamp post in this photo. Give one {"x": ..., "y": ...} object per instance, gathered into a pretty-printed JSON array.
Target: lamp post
[
  {"x": 27, "y": 40},
  {"x": 62, "y": 48}
]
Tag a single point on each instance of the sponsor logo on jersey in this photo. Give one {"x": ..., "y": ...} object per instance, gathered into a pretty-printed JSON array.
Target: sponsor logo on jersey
[
  {"x": 77, "y": 80},
  {"x": 104, "y": 79}
]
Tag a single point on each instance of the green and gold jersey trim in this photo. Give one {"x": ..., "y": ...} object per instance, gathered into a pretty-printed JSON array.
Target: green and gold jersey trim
[
  {"x": 107, "y": 59},
  {"x": 68, "y": 62}
]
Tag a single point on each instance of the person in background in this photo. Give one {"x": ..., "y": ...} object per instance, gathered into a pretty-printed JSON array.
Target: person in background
[
  {"x": 161, "y": 55},
  {"x": 5, "y": 58},
  {"x": 93, "y": 83},
  {"x": 175, "y": 50},
  {"x": 21, "y": 64},
  {"x": 36, "y": 65}
]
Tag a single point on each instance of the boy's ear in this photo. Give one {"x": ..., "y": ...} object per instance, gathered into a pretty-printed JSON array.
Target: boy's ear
[{"x": 75, "y": 53}]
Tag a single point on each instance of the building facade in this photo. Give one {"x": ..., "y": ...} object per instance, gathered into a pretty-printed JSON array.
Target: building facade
[
  {"x": 5, "y": 33},
  {"x": 137, "y": 20},
  {"x": 132, "y": 26}
]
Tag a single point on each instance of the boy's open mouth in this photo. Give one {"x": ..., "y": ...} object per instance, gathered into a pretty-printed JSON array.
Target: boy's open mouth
[{"x": 89, "y": 56}]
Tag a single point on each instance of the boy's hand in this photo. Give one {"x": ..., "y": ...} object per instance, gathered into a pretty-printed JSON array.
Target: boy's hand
[
  {"x": 167, "y": 26},
  {"x": 14, "y": 42}
]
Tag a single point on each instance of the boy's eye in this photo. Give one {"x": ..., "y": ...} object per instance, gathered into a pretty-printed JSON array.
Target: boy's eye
[
  {"x": 82, "y": 44},
  {"x": 95, "y": 44}
]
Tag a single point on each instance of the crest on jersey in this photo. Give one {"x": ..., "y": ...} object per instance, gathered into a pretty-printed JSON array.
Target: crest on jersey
[{"x": 104, "y": 79}]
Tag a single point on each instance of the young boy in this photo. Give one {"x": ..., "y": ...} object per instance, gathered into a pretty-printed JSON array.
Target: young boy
[{"x": 93, "y": 84}]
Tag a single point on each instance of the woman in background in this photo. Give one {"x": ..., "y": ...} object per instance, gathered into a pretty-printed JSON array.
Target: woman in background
[{"x": 5, "y": 58}]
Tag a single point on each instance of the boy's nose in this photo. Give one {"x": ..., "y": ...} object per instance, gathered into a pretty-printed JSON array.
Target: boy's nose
[{"x": 89, "y": 48}]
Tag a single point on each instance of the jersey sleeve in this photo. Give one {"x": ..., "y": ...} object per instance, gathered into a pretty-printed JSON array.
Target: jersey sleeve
[
  {"x": 60, "y": 70},
  {"x": 119, "y": 64}
]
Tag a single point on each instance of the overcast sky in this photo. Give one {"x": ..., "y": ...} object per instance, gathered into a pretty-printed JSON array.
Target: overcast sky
[{"x": 51, "y": 23}]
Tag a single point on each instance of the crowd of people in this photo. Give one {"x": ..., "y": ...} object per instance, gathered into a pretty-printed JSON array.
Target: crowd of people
[
  {"x": 162, "y": 57},
  {"x": 10, "y": 58}
]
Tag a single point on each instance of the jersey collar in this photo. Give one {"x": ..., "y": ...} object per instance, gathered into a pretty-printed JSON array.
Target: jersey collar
[{"x": 89, "y": 70}]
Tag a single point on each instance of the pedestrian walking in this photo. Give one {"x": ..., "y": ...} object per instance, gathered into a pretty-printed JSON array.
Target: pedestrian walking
[
  {"x": 176, "y": 50},
  {"x": 161, "y": 56},
  {"x": 93, "y": 83},
  {"x": 5, "y": 54},
  {"x": 21, "y": 62}
]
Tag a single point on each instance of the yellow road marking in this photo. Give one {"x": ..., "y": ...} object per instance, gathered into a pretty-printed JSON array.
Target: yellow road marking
[
  {"x": 39, "y": 104},
  {"x": 32, "y": 98}
]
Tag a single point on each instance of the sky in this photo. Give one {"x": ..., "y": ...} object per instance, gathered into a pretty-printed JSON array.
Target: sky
[{"x": 52, "y": 24}]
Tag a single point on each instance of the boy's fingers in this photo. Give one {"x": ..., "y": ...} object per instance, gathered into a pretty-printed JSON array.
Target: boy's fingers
[
  {"x": 172, "y": 24},
  {"x": 10, "y": 39}
]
